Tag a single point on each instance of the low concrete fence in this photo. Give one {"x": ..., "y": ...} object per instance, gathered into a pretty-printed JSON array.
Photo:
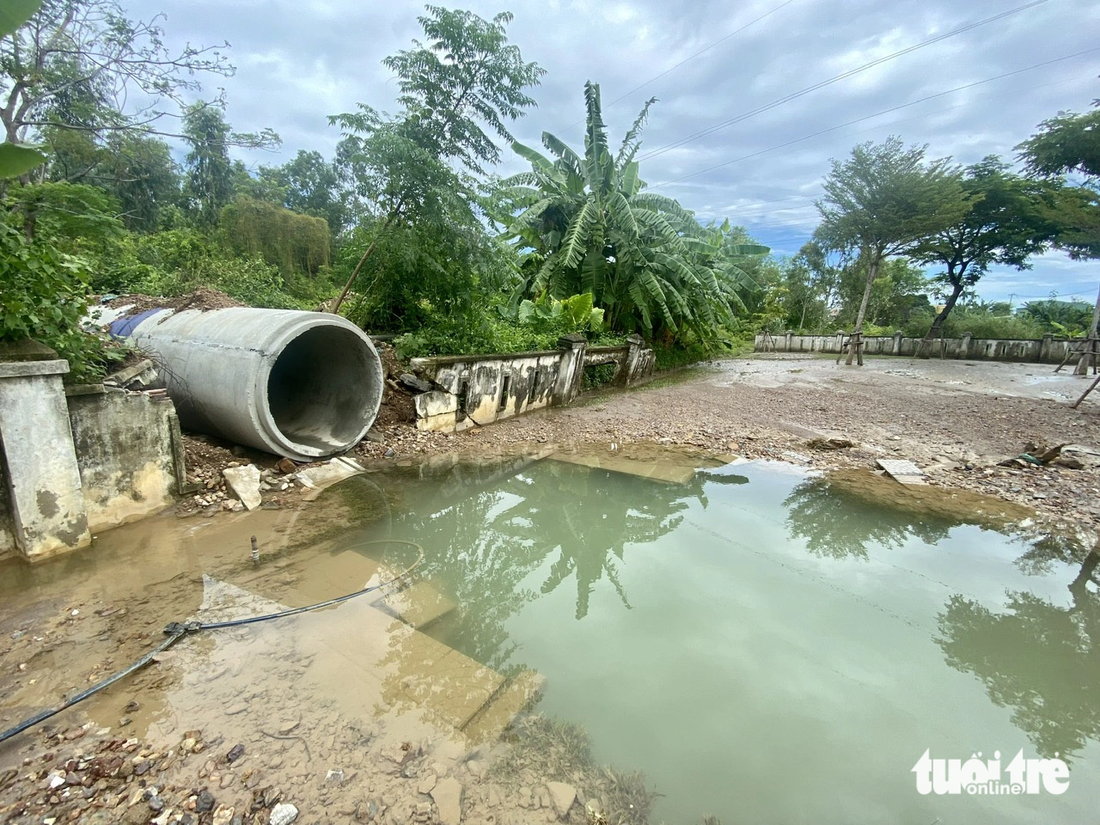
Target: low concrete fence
[
  {"x": 474, "y": 390},
  {"x": 77, "y": 461},
  {"x": 1046, "y": 350}
]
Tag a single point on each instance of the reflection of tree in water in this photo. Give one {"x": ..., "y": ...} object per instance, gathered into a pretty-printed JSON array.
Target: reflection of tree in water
[
  {"x": 838, "y": 515},
  {"x": 1039, "y": 659},
  {"x": 604, "y": 512},
  {"x": 484, "y": 545}
]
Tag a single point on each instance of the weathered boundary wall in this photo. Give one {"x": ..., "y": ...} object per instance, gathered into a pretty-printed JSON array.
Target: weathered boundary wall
[
  {"x": 130, "y": 453},
  {"x": 1046, "y": 350},
  {"x": 78, "y": 460},
  {"x": 475, "y": 390}
]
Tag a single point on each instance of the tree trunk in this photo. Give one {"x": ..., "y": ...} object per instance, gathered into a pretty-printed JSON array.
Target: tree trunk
[
  {"x": 856, "y": 340},
  {"x": 925, "y": 348},
  {"x": 1088, "y": 355},
  {"x": 355, "y": 272}
]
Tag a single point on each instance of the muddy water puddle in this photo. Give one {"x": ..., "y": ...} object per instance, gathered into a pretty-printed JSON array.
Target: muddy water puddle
[{"x": 766, "y": 645}]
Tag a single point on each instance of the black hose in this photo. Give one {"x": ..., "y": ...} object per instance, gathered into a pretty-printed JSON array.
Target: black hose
[{"x": 177, "y": 630}]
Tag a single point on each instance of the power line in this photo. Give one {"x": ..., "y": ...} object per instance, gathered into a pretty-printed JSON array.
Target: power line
[
  {"x": 877, "y": 114},
  {"x": 835, "y": 79},
  {"x": 782, "y": 211},
  {"x": 687, "y": 60}
]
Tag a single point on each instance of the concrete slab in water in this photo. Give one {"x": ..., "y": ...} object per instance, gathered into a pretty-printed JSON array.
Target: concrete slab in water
[
  {"x": 496, "y": 716},
  {"x": 668, "y": 464},
  {"x": 418, "y": 605},
  {"x": 904, "y": 471},
  {"x": 452, "y": 687}
]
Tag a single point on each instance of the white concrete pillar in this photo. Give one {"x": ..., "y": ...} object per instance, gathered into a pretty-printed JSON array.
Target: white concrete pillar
[{"x": 46, "y": 500}]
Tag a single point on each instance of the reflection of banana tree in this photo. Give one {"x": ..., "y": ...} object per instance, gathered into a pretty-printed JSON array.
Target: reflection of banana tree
[
  {"x": 604, "y": 512},
  {"x": 839, "y": 515},
  {"x": 1038, "y": 658}
]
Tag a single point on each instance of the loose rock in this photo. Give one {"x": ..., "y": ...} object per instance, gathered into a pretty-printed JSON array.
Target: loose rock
[
  {"x": 447, "y": 794},
  {"x": 283, "y": 814}
]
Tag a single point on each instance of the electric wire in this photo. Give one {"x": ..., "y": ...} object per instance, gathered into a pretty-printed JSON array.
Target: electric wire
[
  {"x": 688, "y": 59},
  {"x": 836, "y": 79},
  {"x": 177, "y": 630},
  {"x": 924, "y": 99}
]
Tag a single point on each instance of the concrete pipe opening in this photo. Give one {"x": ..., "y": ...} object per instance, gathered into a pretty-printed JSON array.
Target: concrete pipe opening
[
  {"x": 300, "y": 384},
  {"x": 323, "y": 386}
]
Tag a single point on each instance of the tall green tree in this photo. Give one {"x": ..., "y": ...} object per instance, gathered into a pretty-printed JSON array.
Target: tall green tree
[
  {"x": 458, "y": 89},
  {"x": 1008, "y": 220},
  {"x": 880, "y": 202},
  {"x": 313, "y": 186},
  {"x": 75, "y": 51},
  {"x": 140, "y": 172},
  {"x": 1069, "y": 144},
  {"x": 209, "y": 184},
  {"x": 210, "y": 173},
  {"x": 591, "y": 228},
  {"x": 15, "y": 159}
]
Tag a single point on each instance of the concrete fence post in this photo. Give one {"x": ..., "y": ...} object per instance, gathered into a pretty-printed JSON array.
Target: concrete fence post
[
  {"x": 627, "y": 373},
  {"x": 571, "y": 370},
  {"x": 47, "y": 502},
  {"x": 1045, "y": 347},
  {"x": 790, "y": 340},
  {"x": 964, "y": 345},
  {"x": 897, "y": 343}
]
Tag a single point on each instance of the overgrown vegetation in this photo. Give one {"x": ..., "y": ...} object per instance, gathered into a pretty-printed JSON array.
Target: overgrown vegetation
[{"x": 405, "y": 230}]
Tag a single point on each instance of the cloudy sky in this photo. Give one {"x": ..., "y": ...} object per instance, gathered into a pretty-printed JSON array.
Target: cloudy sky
[{"x": 721, "y": 68}]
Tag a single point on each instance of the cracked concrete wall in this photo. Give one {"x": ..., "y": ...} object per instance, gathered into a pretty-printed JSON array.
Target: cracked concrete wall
[
  {"x": 126, "y": 446},
  {"x": 475, "y": 390},
  {"x": 480, "y": 389}
]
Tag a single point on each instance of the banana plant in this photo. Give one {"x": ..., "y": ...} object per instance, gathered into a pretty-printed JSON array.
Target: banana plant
[
  {"x": 585, "y": 225},
  {"x": 16, "y": 160}
]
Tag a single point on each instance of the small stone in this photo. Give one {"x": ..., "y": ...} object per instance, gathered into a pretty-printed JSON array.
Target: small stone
[
  {"x": 334, "y": 777},
  {"x": 427, "y": 782},
  {"x": 282, "y": 814},
  {"x": 155, "y": 803},
  {"x": 286, "y": 466},
  {"x": 233, "y": 710},
  {"x": 235, "y": 753},
  {"x": 389, "y": 452},
  {"x": 562, "y": 797},
  {"x": 447, "y": 794},
  {"x": 271, "y": 796},
  {"x": 205, "y": 802},
  {"x": 223, "y": 816}
]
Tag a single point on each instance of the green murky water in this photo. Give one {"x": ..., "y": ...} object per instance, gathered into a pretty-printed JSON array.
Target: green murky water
[{"x": 772, "y": 647}]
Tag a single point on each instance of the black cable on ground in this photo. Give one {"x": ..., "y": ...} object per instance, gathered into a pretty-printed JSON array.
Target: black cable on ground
[{"x": 177, "y": 630}]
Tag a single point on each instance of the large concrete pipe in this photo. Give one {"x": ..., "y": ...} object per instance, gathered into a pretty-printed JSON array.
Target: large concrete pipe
[{"x": 299, "y": 384}]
